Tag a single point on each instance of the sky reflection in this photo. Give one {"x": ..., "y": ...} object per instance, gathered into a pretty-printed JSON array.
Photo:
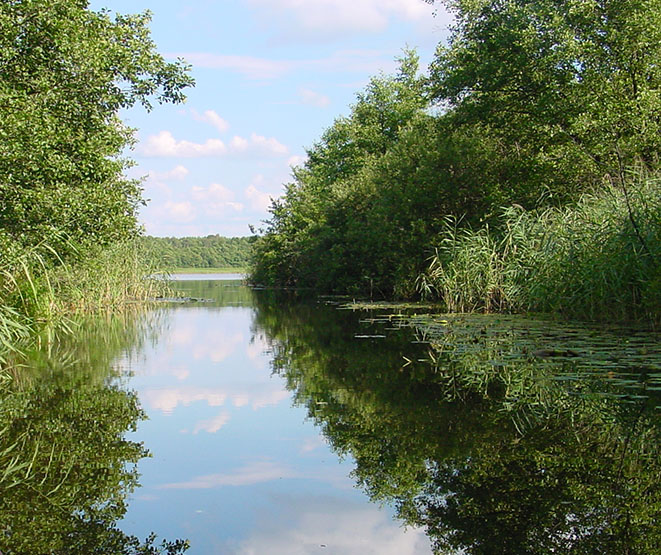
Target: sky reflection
[{"x": 235, "y": 467}]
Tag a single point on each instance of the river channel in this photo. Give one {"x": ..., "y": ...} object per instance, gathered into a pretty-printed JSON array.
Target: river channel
[{"x": 260, "y": 422}]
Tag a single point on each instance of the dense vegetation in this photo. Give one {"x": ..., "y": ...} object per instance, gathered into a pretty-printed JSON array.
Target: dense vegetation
[
  {"x": 211, "y": 251},
  {"x": 67, "y": 213},
  {"x": 547, "y": 111}
]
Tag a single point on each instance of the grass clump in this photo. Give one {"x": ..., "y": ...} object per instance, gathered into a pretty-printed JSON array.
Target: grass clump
[
  {"x": 599, "y": 259},
  {"x": 39, "y": 290}
]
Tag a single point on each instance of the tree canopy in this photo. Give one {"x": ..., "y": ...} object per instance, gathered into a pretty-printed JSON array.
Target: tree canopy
[
  {"x": 65, "y": 72},
  {"x": 533, "y": 104}
]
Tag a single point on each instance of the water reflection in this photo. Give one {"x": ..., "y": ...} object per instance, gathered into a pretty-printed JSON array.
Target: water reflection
[
  {"x": 465, "y": 435},
  {"x": 66, "y": 468},
  {"x": 490, "y": 453},
  {"x": 235, "y": 467}
]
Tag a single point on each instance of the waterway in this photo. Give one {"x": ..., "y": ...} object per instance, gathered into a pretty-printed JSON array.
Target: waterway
[{"x": 263, "y": 422}]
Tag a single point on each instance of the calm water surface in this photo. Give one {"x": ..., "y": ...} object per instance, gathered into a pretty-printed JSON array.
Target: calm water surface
[
  {"x": 277, "y": 425},
  {"x": 235, "y": 467}
]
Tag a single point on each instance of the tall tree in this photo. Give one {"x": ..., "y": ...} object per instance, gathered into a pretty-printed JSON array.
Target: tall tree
[
  {"x": 65, "y": 72},
  {"x": 575, "y": 83}
]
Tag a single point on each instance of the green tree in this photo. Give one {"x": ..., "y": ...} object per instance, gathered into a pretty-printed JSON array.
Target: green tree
[
  {"x": 211, "y": 251},
  {"x": 574, "y": 84},
  {"x": 306, "y": 241},
  {"x": 65, "y": 72}
]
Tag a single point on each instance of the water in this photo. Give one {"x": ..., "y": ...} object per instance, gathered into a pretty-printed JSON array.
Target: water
[
  {"x": 282, "y": 425},
  {"x": 207, "y": 277},
  {"x": 235, "y": 467}
]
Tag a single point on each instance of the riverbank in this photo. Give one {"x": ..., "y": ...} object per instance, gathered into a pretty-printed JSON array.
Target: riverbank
[
  {"x": 224, "y": 270},
  {"x": 40, "y": 291}
]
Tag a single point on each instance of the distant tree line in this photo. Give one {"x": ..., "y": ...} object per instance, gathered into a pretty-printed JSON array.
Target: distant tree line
[{"x": 212, "y": 251}]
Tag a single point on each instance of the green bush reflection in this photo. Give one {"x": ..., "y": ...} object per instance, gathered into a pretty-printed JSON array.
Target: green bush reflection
[
  {"x": 66, "y": 467},
  {"x": 492, "y": 453}
]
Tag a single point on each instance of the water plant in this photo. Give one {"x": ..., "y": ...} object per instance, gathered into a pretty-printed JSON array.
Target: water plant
[
  {"x": 599, "y": 259},
  {"x": 40, "y": 291}
]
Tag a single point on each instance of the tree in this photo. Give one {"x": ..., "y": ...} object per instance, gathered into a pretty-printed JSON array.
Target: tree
[
  {"x": 65, "y": 72},
  {"x": 306, "y": 241},
  {"x": 575, "y": 84}
]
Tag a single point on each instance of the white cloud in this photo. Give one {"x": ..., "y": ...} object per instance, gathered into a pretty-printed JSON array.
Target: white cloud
[
  {"x": 360, "y": 61},
  {"x": 178, "y": 173},
  {"x": 157, "y": 182},
  {"x": 258, "y": 144},
  {"x": 259, "y": 200},
  {"x": 215, "y": 192},
  {"x": 257, "y": 396},
  {"x": 166, "y": 400},
  {"x": 181, "y": 212},
  {"x": 212, "y": 118},
  {"x": 303, "y": 524},
  {"x": 314, "y": 98},
  {"x": 258, "y": 347},
  {"x": 251, "y": 67},
  {"x": 165, "y": 145},
  {"x": 313, "y": 443},
  {"x": 216, "y": 199},
  {"x": 254, "y": 473},
  {"x": 213, "y": 425},
  {"x": 181, "y": 336},
  {"x": 296, "y": 161},
  {"x": 216, "y": 348},
  {"x": 334, "y": 18}
]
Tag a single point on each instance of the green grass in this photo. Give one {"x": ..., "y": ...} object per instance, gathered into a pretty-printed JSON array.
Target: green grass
[
  {"x": 599, "y": 259},
  {"x": 39, "y": 291},
  {"x": 208, "y": 271}
]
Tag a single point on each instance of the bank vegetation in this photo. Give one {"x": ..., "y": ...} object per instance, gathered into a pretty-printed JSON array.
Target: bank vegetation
[
  {"x": 519, "y": 172},
  {"x": 68, "y": 227}
]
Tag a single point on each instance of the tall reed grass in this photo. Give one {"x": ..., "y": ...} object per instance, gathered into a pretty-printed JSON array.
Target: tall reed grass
[
  {"x": 599, "y": 259},
  {"x": 38, "y": 290}
]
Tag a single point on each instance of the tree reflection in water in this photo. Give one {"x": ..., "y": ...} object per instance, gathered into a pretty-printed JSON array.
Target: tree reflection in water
[
  {"x": 490, "y": 452},
  {"x": 66, "y": 468}
]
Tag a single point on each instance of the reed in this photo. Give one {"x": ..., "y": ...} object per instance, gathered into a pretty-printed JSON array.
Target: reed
[
  {"x": 599, "y": 259},
  {"x": 111, "y": 278},
  {"x": 40, "y": 291}
]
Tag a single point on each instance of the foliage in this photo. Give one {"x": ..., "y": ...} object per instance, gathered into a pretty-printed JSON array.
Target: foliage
[
  {"x": 211, "y": 251},
  {"x": 530, "y": 106},
  {"x": 574, "y": 84},
  {"x": 37, "y": 296},
  {"x": 598, "y": 259},
  {"x": 65, "y": 73},
  {"x": 324, "y": 230}
]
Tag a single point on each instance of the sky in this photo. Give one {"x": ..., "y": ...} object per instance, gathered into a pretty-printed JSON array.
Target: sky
[{"x": 271, "y": 76}]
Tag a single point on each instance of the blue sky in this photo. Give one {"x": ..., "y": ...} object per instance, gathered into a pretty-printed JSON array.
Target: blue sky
[{"x": 271, "y": 76}]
